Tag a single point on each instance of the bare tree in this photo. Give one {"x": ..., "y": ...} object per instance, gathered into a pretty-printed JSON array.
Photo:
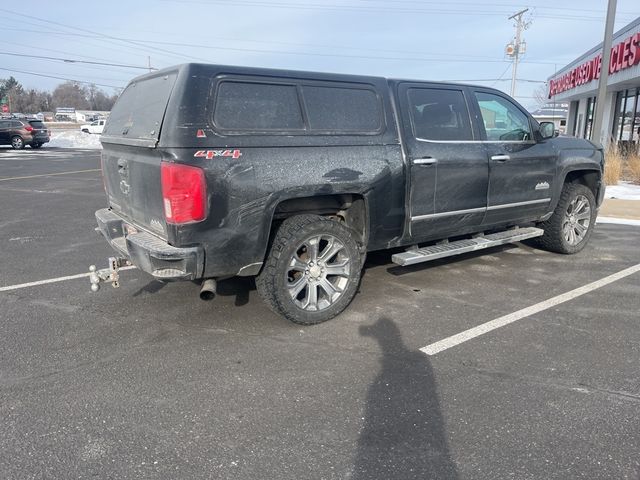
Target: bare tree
[
  {"x": 70, "y": 94},
  {"x": 541, "y": 95}
]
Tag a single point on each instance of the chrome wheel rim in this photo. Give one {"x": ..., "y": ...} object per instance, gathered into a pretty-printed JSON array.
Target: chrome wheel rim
[
  {"x": 577, "y": 220},
  {"x": 318, "y": 273},
  {"x": 17, "y": 142}
]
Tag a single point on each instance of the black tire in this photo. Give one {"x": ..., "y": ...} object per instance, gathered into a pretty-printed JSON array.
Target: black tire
[
  {"x": 290, "y": 264},
  {"x": 84, "y": 130},
  {"x": 36, "y": 145},
  {"x": 17, "y": 143},
  {"x": 557, "y": 230}
]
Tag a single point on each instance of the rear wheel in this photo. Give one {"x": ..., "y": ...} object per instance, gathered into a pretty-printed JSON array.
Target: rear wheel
[
  {"x": 17, "y": 142},
  {"x": 36, "y": 145},
  {"x": 570, "y": 227},
  {"x": 312, "y": 270}
]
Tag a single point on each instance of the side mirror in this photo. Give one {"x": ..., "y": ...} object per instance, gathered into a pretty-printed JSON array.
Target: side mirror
[{"x": 547, "y": 130}]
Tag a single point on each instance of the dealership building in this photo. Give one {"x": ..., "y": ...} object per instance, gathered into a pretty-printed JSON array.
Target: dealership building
[{"x": 577, "y": 85}]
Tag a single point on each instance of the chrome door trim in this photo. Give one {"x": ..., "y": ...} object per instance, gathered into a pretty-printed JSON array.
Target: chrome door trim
[
  {"x": 478, "y": 210},
  {"x": 519, "y": 204},
  {"x": 446, "y": 214}
]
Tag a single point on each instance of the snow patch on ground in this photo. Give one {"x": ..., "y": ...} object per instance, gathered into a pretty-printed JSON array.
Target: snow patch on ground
[
  {"x": 619, "y": 221},
  {"x": 71, "y": 139},
  {"x": 623, "y": 191}
]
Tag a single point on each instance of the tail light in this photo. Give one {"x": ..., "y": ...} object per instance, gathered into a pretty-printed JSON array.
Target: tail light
[
  {"x": 184, "y": 193},
  {"x": 28, "y": 128}
]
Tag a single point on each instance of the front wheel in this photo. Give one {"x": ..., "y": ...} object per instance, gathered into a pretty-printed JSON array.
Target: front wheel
[
  {"x": 17, "y": 143},
  {"x": 569, "y": 228},
  {"x": 36, "y": 145},
  {"x": 312, "y": 270}
]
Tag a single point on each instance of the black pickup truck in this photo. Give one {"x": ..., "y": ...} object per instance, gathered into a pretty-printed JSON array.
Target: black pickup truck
[{"x": 216, "y": 171}]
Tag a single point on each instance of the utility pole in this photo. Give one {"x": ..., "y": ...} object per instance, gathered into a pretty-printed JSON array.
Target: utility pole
[
  {"x": 596, "y": 131},
  {"x": 518, "y": 46}
]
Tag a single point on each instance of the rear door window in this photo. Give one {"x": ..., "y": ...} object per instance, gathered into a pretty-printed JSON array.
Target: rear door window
[
  {"x": 139, "y": 111},
  {"x": 249, "y": 106},
  {"x": 439, "y": 114},
  {"x": 335, "y": 109}
]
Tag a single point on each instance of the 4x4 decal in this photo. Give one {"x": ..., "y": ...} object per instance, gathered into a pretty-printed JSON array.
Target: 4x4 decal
[{"x": 209, "y": 154}]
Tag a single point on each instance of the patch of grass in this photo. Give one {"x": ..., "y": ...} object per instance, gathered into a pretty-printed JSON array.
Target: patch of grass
[
  {"x": 633, "y": 167},
  {"x": 613, "y": 165}
]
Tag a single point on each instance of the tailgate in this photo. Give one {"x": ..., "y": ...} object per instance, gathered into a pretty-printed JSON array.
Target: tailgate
[
  {"x": 130, "y": 159},
  {"x": 132, "y": 180}
]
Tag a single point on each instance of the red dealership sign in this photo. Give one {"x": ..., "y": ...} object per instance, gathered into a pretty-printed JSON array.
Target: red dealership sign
[{"x": 623, "y": 55}]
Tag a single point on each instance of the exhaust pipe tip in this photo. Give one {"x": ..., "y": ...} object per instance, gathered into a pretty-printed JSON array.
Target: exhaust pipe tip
[{"x": 208, "y": 289}]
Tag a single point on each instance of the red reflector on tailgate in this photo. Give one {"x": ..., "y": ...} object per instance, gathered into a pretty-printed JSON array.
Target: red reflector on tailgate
[{"x": 184, "y": 193}]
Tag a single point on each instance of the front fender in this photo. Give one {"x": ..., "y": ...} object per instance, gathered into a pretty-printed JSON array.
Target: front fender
[{"x": 582, "y": 157}]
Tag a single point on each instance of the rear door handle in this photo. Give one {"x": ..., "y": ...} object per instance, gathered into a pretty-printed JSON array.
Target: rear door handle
[
  {"x": 425, "y": 161},
  {"x": 500, "y": 158}
]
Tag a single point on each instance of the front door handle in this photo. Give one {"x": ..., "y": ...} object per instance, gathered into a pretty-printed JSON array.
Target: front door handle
[
  {"x": 425, "y": 161},
  {"x": 500, "y": 158}
]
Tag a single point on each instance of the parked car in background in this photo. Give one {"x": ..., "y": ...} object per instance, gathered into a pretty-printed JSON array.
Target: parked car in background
[
  {"x": 19, "y": 133},
  {"x": 93, "y": 127}
]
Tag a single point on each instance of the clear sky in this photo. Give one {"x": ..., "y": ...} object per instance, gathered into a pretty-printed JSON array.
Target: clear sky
[{"x": 422, "y": 39}]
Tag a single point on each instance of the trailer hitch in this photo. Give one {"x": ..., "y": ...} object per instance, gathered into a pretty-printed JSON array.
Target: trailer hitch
[{"x": 107, "y": 275}]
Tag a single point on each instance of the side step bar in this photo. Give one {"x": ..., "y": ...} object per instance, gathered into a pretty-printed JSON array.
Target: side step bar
[{"x": 434, "y": 252}]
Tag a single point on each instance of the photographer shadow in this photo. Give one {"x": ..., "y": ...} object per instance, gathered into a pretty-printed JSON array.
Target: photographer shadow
[{"x": 404, "y": 434}]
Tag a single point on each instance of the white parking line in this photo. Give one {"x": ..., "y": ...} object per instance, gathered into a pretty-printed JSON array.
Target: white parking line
[
  {"x": 5, "y": 179},
  {"x": 474, "y": 332},
  {"x": 52, "y": 280}
]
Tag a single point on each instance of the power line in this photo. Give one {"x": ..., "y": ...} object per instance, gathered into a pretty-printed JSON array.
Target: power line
[
  {"x": 312, "y": 45},
  {"x": 484, "y": 4},
  {"x": 473, "y": 59},
  {"x": 501, "y": 75},
  {"x": 61, "y": 32},
  {"x": 386, "y": 11},
  {"x": 109, "y": 38},
  {"x": 40, "y": 48},
  {"x": 70, "y": 60},
  {"x": 59, "y": 78},
  {"x": 463, "y": 58}
]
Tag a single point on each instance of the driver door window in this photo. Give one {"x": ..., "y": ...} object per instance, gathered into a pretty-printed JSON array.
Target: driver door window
[{"x": 503, "y": 121}]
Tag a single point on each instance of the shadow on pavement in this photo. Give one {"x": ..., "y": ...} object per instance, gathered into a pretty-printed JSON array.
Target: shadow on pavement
[
  {"x": 403, "y": 435},
  {"x": 150, "y": 288},
  {"x": 239, "y": 287}
]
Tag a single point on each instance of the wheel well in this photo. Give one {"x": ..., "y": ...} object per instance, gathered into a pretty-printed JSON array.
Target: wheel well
[
  {"x": 347, "y": 208},
  {"x": 588, "y": 178}
]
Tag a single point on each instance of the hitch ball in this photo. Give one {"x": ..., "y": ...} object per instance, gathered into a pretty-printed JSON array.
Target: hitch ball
[{"x": 94, "y": 279}]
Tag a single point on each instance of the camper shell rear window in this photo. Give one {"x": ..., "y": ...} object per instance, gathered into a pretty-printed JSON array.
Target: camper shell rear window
[{"x": 139, "y": 111}]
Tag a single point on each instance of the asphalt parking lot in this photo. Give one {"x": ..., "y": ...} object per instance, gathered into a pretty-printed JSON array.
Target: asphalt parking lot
[{"x": 147, "y": 381}]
